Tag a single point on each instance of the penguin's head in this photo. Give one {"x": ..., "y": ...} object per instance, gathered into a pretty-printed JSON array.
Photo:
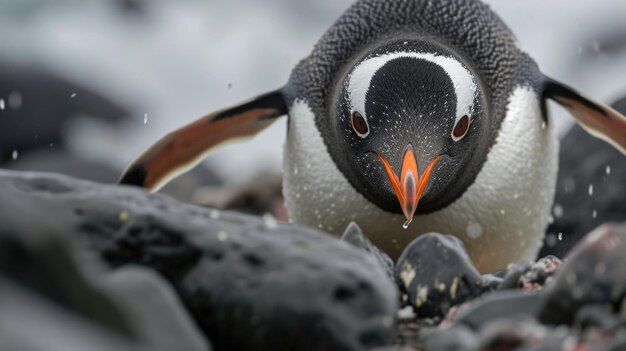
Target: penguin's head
[{"x": 411, "y": 124}]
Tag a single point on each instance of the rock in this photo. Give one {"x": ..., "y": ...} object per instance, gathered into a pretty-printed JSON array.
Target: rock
[
  {"x": 32, "y": 322},
  {"x": 529, "y": 276},
  {"x": 586, "y": 162},
  {"x": 354, "y": 236},
  {"x": 250, "y": 284},
  {"x": 540, "y": 273},
  {"x": 153, "y": 308},
  {"x": 457, "y": 338},
  {"x": 598, "y": 317},
  {"x": 521, "y": 334},
  {"x": 499, "y": 305},
  {"x": 594, "y": 274},
  {"x": 260, "y": 194},
  {"x": 38, "y": 105},
  {"x": 436, "y": 273},
  {"x": 54, "y": 296}
]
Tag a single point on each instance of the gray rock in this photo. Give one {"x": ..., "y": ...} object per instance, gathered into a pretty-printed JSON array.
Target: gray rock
[
  {"x": 30, "y": 322},
  {"x": 500, "y": 305},
  {"x": 250, "y": 284},
  {"x": 521, "y": 334},
  {"x": 56, "y": 296},
  {"x": 153, "y": 309},
  {"x": 354, "y": 236},
  {"x": 436, "y": 273},
  {"x": 594, "y": 274},
  {"x": 456, "y": 338}
]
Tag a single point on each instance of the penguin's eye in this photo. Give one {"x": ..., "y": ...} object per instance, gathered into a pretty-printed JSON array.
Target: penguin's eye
[
  {"x": 461, "y": 128},
  {"x": 359, "y": 124}
]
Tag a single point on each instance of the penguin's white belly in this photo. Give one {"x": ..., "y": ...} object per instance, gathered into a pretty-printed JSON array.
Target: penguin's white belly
[{"x": 501, "y": 217}]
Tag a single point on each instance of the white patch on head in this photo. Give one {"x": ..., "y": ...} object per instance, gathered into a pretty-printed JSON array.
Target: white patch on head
[
  {"x": 510, "y": 199},
  {"x": 462, "y": 79}
]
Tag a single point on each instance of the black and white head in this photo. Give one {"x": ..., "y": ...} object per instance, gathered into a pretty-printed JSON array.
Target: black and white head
[{"x": 409, "y": 119}]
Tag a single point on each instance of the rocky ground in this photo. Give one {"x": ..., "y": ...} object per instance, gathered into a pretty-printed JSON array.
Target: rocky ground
[{"x": 86, "y": 266}]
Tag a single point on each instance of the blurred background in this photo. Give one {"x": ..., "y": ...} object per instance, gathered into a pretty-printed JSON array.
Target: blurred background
[{"x": 86, "y": 85}]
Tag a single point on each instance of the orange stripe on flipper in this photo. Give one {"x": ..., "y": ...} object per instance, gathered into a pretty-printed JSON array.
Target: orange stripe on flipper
[{"x": 184, "y": 146}]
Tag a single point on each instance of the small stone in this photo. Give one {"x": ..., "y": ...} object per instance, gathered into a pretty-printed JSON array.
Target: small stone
[
  {"x": 430, "y": 262},
  {"x": 594, "y": 273},
  {"x": 457, "y": 338},
  {"x": 499, "y": 305},
  {"x": 354, "y": 236}
]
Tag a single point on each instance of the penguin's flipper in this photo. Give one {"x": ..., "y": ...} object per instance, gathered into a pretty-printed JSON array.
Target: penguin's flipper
[
  {"x": 598, "y": 119},
  {"x": 182, "y": 149}
]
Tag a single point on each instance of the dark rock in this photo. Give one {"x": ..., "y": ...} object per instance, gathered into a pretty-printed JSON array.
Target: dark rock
[
  {"x": 39, "y": 104},
  {"x": 436, "y": 273},
  {"x": 456, "y": 338},
  {"x": 31, "y": 322},
  {"x": 250, "y": 284},
  {"x": 598, "y": 317},
  {"x": 540, "y": 273},
  {"x": 490, "y": 282},
  {"x": 584, "y": 161},
  {"x": 260, "y": 194},
  {"x": 54, "y": 296},
  {"x": 530, "y": 276},
  {"x": 154, "y": 310},
  {"x": 354, "y": 236},
  {"x": 499, "y": 305},
  {"x": 521, "y": 334},
  {"x": 594, "y": 274}
]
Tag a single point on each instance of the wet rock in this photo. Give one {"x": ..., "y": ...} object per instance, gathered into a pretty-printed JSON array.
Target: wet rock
[
  {"x": 598, "y": 317},
  {"x": 354, "y": 236},
  {"x": 154, "y": 309},
  {"x": 30, "y": 94},
  {"x": 250, "y": 284},
  {"x": 511, "y": 275},
  {"x": 586, "y": 161},
  {"x": 436, "y": 273},
  {"x": 258, "y": 195},
  {"x": 594, "y": 274},
  {"x": 540, "y": 273},
  {"x": 55, "y": 296},
  {"x": 457, "y": 338},
  {"x": 529, "y": 276},
  {"x": 499, "y": 305},
  {"x": 520, "y": 334},
  {"x": 32, "y": 322}
]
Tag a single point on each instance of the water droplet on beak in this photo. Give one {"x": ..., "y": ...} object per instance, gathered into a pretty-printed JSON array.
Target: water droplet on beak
[{"x": 406, "y": 224}]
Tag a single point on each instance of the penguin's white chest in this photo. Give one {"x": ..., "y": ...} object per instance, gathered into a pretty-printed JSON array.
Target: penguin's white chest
[{"x": 501, "y": 217}]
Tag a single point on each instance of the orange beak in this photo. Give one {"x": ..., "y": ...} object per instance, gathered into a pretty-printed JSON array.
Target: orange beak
[{"x": 409, "y": 187}]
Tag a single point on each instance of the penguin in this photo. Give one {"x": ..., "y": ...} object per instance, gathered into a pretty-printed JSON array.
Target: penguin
[{"x": 409, "y": 117}]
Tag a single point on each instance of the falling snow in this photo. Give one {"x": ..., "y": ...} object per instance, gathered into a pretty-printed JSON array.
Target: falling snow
[
  {"x": 73, "y": 95},
  {"x": 558, "y": 211},
  {"x": 15, "y": 100},
  {"x": 145, "y": 118},
  {"x": 608, "y": 170},
  {"x": 14, "y": 155},
  {"x": 1, "y": 104},
  {"x": 590, "y": 189},
  {"x": 560, "y": 236},
  {"x": 222, "y": 236},
  {"x": 474, "y": 230}
]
